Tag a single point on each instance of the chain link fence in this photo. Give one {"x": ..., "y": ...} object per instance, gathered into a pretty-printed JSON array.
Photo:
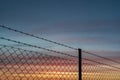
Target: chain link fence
[
  {"x": 20, "y": 64},
  {"x": 95, "y": 67}
]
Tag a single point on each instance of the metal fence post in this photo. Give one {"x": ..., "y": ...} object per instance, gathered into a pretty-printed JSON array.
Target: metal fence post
[{"x": 80, "y": 64}]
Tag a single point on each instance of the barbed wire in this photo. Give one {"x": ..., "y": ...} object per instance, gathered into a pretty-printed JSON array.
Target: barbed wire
[
  {"x": 55, "y": 42},
  {"x": 58, "y": 52},
  {"x": 101, "y": 57},
  {"x": 102, "y": 63},
  {"x": 37, "y": 37},
  {"x": 3, "y": 38},
  {"x": 36, "y": 52},
  {"x": 20, "y": 64}
]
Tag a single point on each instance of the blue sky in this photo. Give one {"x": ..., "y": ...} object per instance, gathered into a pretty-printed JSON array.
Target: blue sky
[{"x": 88, "y": 24}]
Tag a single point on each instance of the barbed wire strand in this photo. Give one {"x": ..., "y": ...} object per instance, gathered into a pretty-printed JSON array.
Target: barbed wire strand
[
  {"x": 37, "y": 37},
  {"x": 56, "y": 43},
  {"x": 102, "y": 63},
  {"x": 101, "y": 57},
  {"x": 35, "y": 52},
  {"x": 3, "y": 38}
]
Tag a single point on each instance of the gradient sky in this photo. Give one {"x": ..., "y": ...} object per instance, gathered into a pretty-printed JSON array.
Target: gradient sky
[{"x": 88, "y": 24}]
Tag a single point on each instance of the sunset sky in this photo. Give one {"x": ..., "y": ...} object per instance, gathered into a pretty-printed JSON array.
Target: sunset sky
[
  {"x": 87, "y": 24},
  {"x": 92, "y": 25}
]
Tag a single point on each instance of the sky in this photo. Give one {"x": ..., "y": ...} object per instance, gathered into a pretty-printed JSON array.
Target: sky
[{"x": 92, "y": 25}]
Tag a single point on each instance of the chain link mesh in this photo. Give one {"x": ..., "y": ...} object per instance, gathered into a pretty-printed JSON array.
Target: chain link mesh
[
  {"x": 20, "y": 64},
  {"x": 97, "y": 68}
]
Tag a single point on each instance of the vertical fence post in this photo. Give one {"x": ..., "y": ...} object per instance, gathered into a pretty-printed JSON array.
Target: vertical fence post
[{"x": 80, "y": 64}]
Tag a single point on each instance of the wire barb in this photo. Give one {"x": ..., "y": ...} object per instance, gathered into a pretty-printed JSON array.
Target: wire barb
[
  {"x": 101, "y": 57},
  {"x": 38, "y": 47},
  {"x": 101, "y": 63},
  {"x": 37, "y": 37},
  {"x": 20, "y": 64}
]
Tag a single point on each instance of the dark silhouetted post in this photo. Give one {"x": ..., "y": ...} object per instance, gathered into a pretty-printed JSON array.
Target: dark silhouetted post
[{"x": 80, "y": 64}]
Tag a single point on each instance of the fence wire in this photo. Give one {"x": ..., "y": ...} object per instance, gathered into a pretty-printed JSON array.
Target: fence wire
[
  {"x": 99, "y": 68},
  {"x": 20, "y": 64},
  {"x": 41, "y": 38}
]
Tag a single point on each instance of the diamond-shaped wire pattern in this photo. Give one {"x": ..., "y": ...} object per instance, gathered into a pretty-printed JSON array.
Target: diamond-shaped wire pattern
[
  {"x": 20, "y": 64},
  {"x": 96, "y": 68}
]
